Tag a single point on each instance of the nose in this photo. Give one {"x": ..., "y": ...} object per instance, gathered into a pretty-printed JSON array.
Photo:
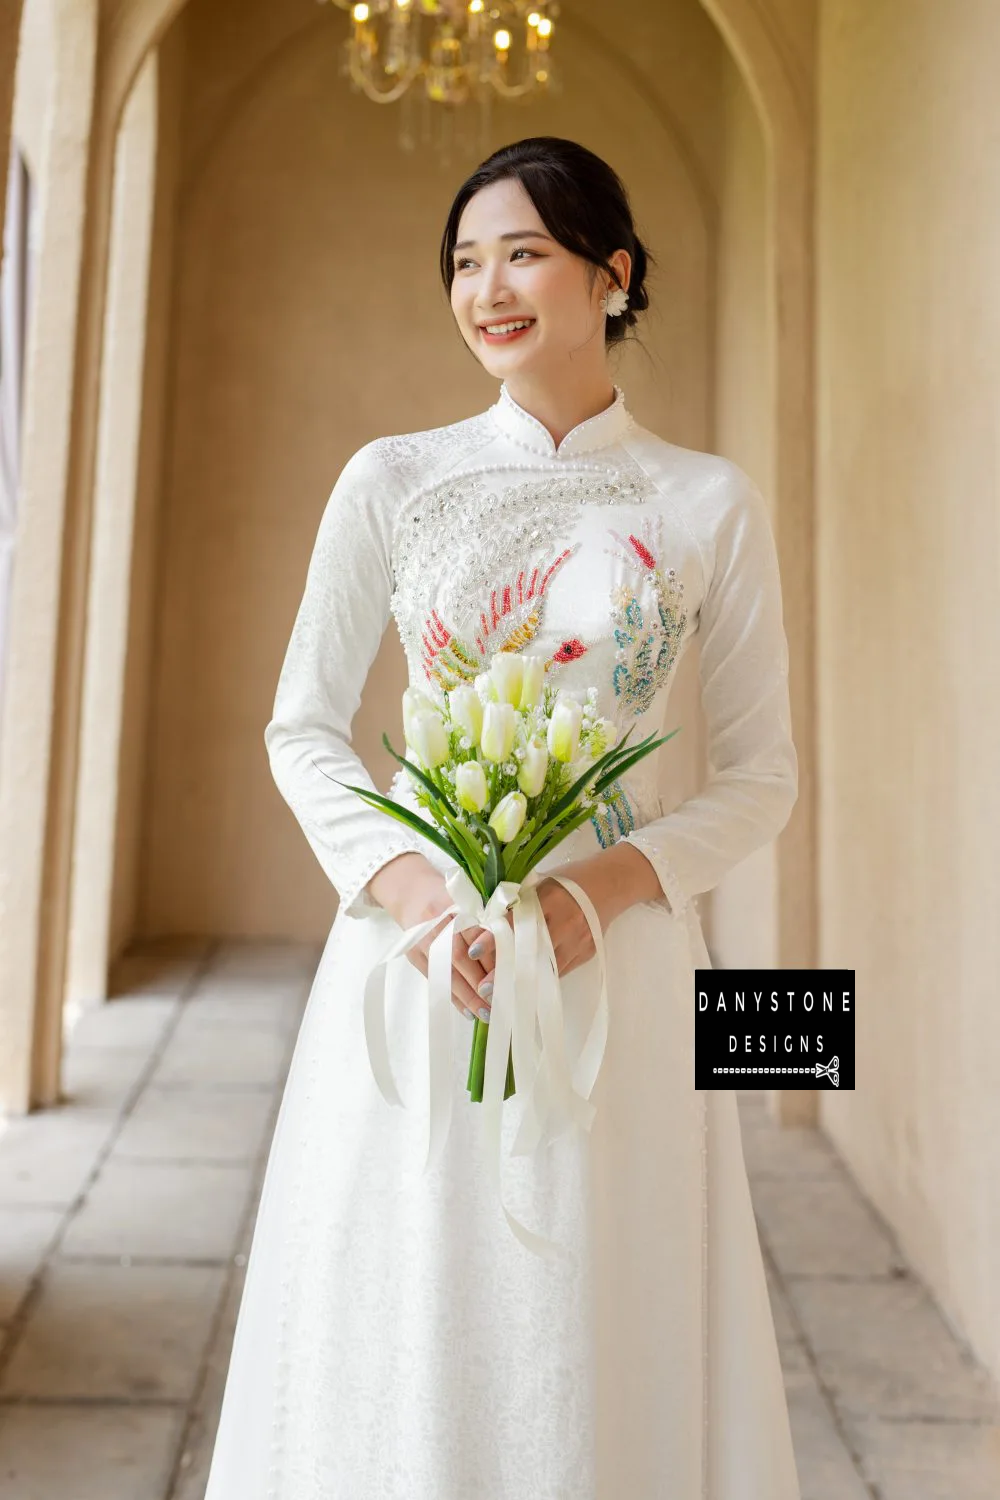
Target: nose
[{"x": 493, "y": 289}]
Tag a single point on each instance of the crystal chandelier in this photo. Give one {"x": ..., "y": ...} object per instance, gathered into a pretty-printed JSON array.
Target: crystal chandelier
[{"x": 461, "y": 51}]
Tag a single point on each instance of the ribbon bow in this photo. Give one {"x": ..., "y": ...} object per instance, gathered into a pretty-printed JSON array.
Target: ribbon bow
[
  {"x": 526, "y": 991},
  {"x": 829, "y": 1070}
]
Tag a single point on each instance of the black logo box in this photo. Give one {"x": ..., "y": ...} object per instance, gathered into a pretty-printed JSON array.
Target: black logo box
[{"x": 774, "y": 1028}]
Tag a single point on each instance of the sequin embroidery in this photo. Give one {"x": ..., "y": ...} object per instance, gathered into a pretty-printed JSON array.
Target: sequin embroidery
[
  {"x": 454, "y": 540},
  {"x": 509, "y": 623},
  {"x": 648, "y": 638}
]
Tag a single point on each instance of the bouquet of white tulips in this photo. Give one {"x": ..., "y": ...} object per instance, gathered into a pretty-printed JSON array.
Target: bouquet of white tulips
[{"x": 508, "y": 768}]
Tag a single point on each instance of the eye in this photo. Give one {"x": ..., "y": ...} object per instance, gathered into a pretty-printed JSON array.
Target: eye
[
  {"x": 522, "y": 250},
  {"x": 461, "y": 262}
]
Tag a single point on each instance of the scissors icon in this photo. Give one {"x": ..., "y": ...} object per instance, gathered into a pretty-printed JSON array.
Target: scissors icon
[{"x": 829, "y": 1070}]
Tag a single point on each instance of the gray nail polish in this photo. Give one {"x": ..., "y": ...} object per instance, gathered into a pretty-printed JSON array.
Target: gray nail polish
[
  {"x": 476, "y": 949},
  {"x": 484, "y": 1014},
  {"x": 485, "y": 989}
]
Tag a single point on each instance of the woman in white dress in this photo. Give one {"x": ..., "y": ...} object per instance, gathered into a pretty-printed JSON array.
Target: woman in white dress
[{"x": 395, "y": 1340}]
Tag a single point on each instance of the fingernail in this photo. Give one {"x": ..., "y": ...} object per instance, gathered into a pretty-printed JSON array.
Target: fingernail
[
  {"x": 485, "y": 989},
  {"x": 484, "y": 1014},
  {"x": 476, "y": 948}
]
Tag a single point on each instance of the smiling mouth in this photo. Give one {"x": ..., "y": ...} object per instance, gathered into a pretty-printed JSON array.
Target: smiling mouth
[{"x": 500, "y": 332}]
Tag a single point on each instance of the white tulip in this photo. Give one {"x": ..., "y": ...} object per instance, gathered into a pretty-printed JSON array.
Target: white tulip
[
  {"x": 507, "y": 672},
  {"x": 486, "y": 688},
  {"x": 563, "y": 735},
  {"x": 508, "y": 816},
  {"x": 467, "y": 711},
  {"x": 533, "y": 678},
  {"x": 429, "y": 738},
  {"x": 499, "y": 729},
  {"x": 531, "y": 776},
  {"x": 415, "y": 702},
  {"x": 470, "y": 786}
]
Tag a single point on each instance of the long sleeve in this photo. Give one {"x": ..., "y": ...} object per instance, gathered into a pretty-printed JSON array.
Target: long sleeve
[
  {"x": 336, "y": 635},
  {"x": 753, "y": 767}
]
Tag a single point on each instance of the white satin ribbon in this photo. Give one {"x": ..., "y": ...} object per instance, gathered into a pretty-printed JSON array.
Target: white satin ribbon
[{"x": 526, "y": 995}]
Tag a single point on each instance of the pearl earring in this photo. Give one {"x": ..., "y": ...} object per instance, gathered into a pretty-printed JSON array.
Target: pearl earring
[{"x": 614, "y": 301}]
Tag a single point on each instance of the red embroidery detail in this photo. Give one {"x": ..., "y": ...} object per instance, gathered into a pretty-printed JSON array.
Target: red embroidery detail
[
  {"x": 645, "y": 556},
  {"x": 435, "y": 636},
  {"x": 570, "y": 650},
  {"x": 518, "y": 631}
]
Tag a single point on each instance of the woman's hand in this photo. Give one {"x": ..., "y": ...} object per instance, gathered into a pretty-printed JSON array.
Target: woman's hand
[
  {"x": 614, "y": 879},
  {"x": 412, "y": 890}
]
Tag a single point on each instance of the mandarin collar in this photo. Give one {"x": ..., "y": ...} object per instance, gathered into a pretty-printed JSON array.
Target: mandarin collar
[{"x": 599, "y": 431}]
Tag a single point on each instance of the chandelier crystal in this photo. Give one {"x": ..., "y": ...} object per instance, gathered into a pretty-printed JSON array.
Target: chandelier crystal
[{"x": 459, "y": 51}]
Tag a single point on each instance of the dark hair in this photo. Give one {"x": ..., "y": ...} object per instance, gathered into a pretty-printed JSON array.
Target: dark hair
[{"x": 581, "y": 201}]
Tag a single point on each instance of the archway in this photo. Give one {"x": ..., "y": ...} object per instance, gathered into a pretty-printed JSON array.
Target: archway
[{"x": 782, "y": 101}]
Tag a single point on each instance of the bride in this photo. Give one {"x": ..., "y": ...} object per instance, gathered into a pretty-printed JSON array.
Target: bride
[{"x": 395, "y": 1340}]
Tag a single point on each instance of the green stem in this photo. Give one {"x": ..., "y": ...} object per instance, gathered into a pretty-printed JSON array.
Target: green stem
[{"x": 477, "y": 1055}]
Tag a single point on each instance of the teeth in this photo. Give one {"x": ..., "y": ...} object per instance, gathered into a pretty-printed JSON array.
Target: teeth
[{"x": 509, "y": 327}]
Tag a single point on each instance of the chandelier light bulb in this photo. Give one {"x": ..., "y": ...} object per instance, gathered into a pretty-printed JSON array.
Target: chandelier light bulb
[{"x": 457, "y": 52}]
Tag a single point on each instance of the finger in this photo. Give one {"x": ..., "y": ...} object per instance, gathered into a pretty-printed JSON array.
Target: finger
[
  {"x": 482, "y": 949},
  {"x": 464, "y": 994}
]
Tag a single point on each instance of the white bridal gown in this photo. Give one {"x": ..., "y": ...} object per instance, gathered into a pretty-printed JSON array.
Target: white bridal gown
[{"x": 395, "y": 1340}]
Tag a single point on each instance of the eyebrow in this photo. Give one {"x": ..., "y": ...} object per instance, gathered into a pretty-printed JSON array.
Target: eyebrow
[{"x": 515, "y": 234}]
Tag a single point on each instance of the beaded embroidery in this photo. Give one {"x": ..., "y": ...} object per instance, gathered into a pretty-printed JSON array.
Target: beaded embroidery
[
  {"x": 509, "y": 623},
  {"x": 613, "y": 818},
  {"x": 648, "y": 639},
  {"x": 456, "y": 538}
]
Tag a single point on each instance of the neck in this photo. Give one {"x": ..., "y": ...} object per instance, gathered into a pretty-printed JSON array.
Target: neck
[{"x": 564, "y": 405}]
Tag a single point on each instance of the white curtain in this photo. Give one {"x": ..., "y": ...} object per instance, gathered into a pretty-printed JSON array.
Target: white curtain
[{"x": 15, "y": 293}]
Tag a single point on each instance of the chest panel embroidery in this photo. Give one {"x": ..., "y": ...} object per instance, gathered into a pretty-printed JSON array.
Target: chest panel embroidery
[
  {"x": 509, "y": 623},
  {"x": 468, "y": 540},
  {"x": 648, "y": 637}
]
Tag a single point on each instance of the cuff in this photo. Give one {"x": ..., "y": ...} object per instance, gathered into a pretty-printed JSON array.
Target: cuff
[
  {"x": 670, "y": 885},
  {"x": 355, "y": 900}
]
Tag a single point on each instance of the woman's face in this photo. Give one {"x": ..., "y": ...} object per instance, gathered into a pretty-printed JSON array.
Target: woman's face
[{"x": 509, "y": 270}]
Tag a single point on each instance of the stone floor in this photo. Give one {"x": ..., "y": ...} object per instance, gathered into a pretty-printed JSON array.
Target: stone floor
[{"x": 125, "y": 1221}]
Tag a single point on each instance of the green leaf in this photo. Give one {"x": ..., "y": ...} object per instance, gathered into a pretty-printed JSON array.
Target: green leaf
[
  {"x": 561, "y": 833},
  {"x": 463, "y": 835},
  {"x": 421, "y": 775},
  {"x": 511, "y": 849},
  {"x": 493, "y": 873},
  {"x": 599, "y": 766},
  {"x": 607, "y": 777},
  {"x": 404, "y": 815}
]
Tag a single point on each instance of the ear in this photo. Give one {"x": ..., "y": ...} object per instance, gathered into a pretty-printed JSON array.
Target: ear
[{"x": 622, "y": 263}]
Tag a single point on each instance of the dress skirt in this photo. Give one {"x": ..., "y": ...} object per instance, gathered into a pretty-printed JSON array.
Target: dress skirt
[{"x": 395, "y": 1341}]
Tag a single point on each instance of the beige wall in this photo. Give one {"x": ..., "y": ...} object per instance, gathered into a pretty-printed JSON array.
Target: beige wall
[
  {"x": 306, "y": 247},
  {"x": 909, "y": 734},
  {"x": 34, "y": 77},
  {"x": 129, "y": 856},
  {"x": 742, "y": 929}
]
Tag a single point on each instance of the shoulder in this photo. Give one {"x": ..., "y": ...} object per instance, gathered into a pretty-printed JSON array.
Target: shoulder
[
  {"x": 408, "y": 461},
  {"x": 704, "y": 486},
  {"x": 718, "y": 503}
]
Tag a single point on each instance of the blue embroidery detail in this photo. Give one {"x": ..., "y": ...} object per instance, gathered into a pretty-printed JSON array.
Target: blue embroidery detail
[
  {"x": 618, "y": 820},
  {"x": 646, "y": 650}
]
